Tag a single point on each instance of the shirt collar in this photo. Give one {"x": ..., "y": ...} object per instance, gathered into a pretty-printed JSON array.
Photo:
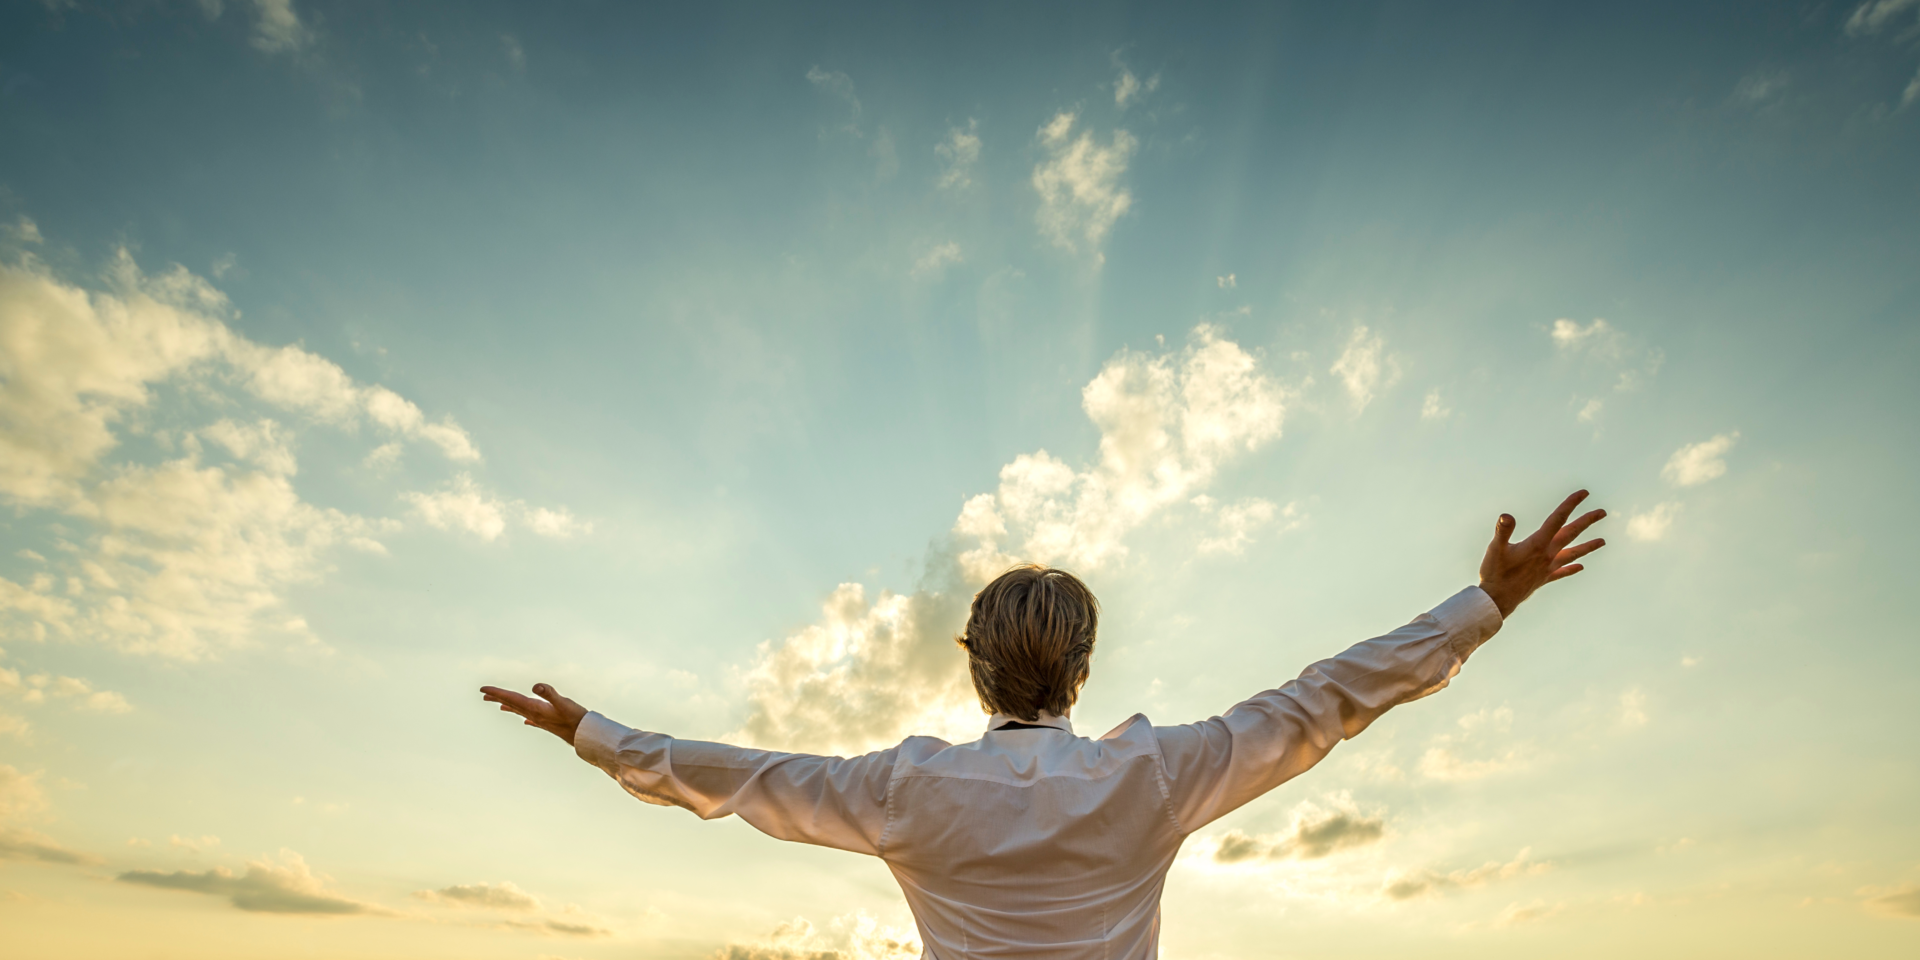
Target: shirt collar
[{"x": 1057, "y": 722}]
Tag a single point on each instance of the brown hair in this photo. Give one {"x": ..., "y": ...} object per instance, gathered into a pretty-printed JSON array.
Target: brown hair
[{"x": 1029, "y": 641}]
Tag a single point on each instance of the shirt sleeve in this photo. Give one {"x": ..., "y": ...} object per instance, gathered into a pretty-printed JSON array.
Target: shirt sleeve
[
  {"x": 1217, "y": 765},
  {"x": 831, "y": 801}
]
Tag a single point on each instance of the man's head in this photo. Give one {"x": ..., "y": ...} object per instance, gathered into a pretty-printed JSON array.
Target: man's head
[{"x": 1029, "y": 641}]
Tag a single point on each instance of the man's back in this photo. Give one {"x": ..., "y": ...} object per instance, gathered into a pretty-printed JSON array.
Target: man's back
[{"x": 1032, "y": 836}]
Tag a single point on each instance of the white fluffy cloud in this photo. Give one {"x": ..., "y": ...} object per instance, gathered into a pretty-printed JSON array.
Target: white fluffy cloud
[
  {"x": 1653, "y": 524},
  {"x": 1079, "y": 182},
  {"x": 872, "y": 671},
  {"x": 42, "y": 688},
  {"x": 958, "y": 153},
  {"x": 278, "y": 28},
  {"x": 1433, "y": 407},
  {"x": 1128, "y": 89},
  {"x": 188, "y": 534},
  {"x": 1697, "y": 463}
]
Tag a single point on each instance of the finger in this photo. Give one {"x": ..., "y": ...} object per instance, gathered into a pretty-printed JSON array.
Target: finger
[
  {"x": 1558, "y": 517},
  {"x": 1573, "y": 530},
  {"x": 521, "y": 703},
  {"x": 1502, "y": 533},
  {"x": 1564, "y": 572},
  {"x": 1571, "y": 554}
]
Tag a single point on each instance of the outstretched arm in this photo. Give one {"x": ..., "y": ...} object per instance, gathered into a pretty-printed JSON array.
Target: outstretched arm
[
  {"x": 832, "y": 801},
  {"x": 1219, "y": 764}
]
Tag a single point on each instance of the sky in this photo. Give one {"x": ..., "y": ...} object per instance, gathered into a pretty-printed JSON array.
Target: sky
[{"x": 704, "y": 361}]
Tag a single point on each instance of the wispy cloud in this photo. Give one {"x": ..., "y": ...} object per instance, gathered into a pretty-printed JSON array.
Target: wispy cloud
[
  {"x": 958, "y": 153},
  {"x": 936, "y": 259},
  {"x": 1464, "y": 754},
  {"x": 1433, "y": 407},
  {"x": 1312, "y": 833},
  {"x": 1903, "y": 902},
  {"x": 1427, "y": 882},
  {"x": 841, "y": 86},
  {"x": 1697, "y": 463},
  {"x": 873, "y": 670},
  {"x": 22, "y": 798},
  {"x": 463, "y": 505},
  {"x": 1128, "y": 89},
  {"x": 1079, "y": 183},
  {"x": 1364, "y": 367},
  {"x": 41, "y": 688},
  {"x": 510, "y": 907},
  {"x": 1876, "y": 15},
  {"x": 268, "y": 886},
  {"x": 1237, "y": 522},
  {"x": 278, "y": 27}
]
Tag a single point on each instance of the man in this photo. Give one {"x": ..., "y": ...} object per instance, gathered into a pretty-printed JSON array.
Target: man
[{"x": 1033, "y": 841}]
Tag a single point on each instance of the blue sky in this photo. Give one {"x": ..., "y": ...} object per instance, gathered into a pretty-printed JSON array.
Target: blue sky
[{"x": 357, "y": 355}]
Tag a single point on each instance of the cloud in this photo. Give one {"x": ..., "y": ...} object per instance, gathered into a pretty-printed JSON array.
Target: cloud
[
  {"x": 1227, "y": 282},
  {"x": 1433, "y": 408},
  {"x": 515, "y": 53},
  {"x": 1515, "y": 914},
  {"x": 278, "y": 28},
  {"x": 1363, "y": 367},
  {"x": 1912, "y": 92},
  {"x": 1875, "y": 15},
  {"x": 501, "y": 896},
  {"x": 1313, "y": 833},
  {"x": 871, "y": 671},
  {"x": 22, "y": 230},
  {"x": 1697, "y": 463},
  {"x": 1444, "y": 761},
  {"x": 1756, "y": 88},
  {"x": 1629, "y": 362},
  {"x": 1598, "y": 337},
  {"x": 1238, "y": 521},
  {"x": 1649, "y": 525},
  {"x": 1425, "y": 883},
  {"x": 1128, "y": 89},
  {"x": 840, "y": 85},
  {"x": 21, "y": 797},
  {"x": 958, "y": 153},
  {"x": 1081, "y": 195},
  {"x": 1633, "y": 708},
  {"x": 855, "y": 936},
  {"x": 1904, "y": 902},
  {"x": 41, "y": 687},
  {"x": 463, "y": 505},
  {"x": 287, "y": 886},
  {"x": 936, "y": 259},
  {"x": 186, "y": 555}
]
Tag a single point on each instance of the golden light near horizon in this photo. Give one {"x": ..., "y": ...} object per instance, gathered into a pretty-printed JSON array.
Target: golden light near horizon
[{"x": 704, "y": 364}]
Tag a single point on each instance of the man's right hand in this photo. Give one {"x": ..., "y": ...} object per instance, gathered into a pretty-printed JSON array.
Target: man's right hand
[
  {"x": 553, "y": 713},
  {"x": 1511, "y": 572}
]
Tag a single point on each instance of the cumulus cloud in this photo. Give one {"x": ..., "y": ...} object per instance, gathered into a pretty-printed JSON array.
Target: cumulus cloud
[
  {"x": 192, "y": 553},
  {"x": 873, "y": 670},
  {"x": 1433, "y": 408},
  {"x": 936, "y": 259},
  {"x": 1363, "y": 367},
  {"x": 1697, "y": 463},
  {"x": 1425, "y": 883},
  {"x": 855, "y": 936},
  {"x": 1079, "y": 183},
  {"x": 1875, "y": 15},
  {"x": 1314, "y": 832},
  {"x": 1653, "y": 524},
  {"x": 1598, "y": 337},
  {"x": 1627, "y": 361},
  {"x": 267, "y": 886},
  {"x": 958, "y": 153}
]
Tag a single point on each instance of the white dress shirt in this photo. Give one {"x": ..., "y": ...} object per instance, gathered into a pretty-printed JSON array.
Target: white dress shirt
[{"x": 1035, "y": 841}]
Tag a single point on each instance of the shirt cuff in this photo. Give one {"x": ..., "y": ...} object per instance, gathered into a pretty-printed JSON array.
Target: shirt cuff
[
  {"x": 597, "y": 740},
  {"x": 1469, "y": 618}
]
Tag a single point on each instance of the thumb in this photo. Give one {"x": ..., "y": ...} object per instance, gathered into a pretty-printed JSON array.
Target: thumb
[
  {"x": 1503, "y": 529},
  {"x": 549, "y": 694}
]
